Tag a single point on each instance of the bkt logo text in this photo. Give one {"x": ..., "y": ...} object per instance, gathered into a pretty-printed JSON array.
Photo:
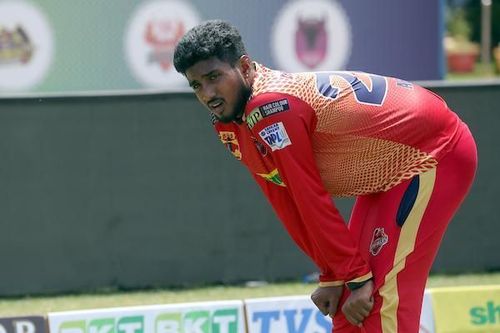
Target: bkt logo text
[{"x": 220, "y": 321}]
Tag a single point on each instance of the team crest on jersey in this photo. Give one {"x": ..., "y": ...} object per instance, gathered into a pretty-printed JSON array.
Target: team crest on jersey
[
  {"x": 275, "y": 136},
  {"x": 231, "y": 142},
  {"x": 266, "y": 110},
  {"x": 379, "y": 239}
]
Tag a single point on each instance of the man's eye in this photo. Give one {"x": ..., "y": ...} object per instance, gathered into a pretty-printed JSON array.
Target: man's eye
[
  {"x": 213, "y": 76},
  {"x": 195, "y": 86}
]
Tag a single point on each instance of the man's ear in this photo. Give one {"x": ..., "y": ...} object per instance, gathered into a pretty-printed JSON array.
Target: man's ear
[{"x": 245, "y": 65}]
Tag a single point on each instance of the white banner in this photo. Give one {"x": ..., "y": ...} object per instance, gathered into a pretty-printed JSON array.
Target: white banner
[
  {"x": 427, "y": 315},
  {"x": 298, "y": 314},
  {"x": 294, "y": 314},
  {"x": 207, "y": 317}
]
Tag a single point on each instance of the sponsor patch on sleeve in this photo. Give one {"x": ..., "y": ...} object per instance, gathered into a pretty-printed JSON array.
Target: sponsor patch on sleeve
[
  {"x": 266, "y": 110},
  {"x": 275, "y": 136}
]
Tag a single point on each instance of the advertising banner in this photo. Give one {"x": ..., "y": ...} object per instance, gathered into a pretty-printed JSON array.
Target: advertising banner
[
  {"x": 26, "y": 45},
  {"x": 285, "y": 314},
  {"x": 427, "y": 314},
  {"x": 30, "y": 324},
  {"x": 207, "y": 317},
  {"x": 60, "y": 46},
  {"x": 467, "y": 309},
  {"x": 299, "y": 314}
]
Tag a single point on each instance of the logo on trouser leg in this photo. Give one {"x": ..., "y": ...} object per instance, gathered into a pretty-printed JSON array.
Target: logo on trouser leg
[{"x": 379, "y": 239}]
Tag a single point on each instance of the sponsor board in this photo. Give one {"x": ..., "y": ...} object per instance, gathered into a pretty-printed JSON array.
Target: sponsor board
[
  {"x": 427, "y": 315},
  {"x": 31, "y": 324},
  {"x": 311, "y": 35},
  {"x": 26, "y": 45},
  {"x": 299, "y": 314},
  {"x": 207, "y": 317},
  {"x": 466, "y": 309},
  {"x": 152, "y": 34},
  {"x": 285, "y": 314}
]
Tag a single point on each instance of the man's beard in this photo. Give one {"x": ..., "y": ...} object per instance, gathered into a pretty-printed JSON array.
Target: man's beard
[{"x": 241, "y": 101}]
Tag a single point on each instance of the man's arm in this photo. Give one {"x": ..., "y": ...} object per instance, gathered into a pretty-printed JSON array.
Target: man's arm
[
  {"x": 287, "y": 212},
  {"x": 287, "y": 135},
  {"x": 326, "y": 298}
]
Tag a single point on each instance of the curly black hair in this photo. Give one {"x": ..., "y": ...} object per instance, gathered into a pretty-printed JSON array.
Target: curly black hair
[{"x": 214, "y": 38}]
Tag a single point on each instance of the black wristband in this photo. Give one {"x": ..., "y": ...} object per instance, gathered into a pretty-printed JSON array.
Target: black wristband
[{"x": 357, "y": 285}]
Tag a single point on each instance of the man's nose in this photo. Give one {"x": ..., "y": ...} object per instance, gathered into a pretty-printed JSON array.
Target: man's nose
[{"x": 208, "y": 93}]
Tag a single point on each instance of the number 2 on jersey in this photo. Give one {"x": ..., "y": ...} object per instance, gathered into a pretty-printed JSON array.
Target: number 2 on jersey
[{"x": 363, "y": 94}]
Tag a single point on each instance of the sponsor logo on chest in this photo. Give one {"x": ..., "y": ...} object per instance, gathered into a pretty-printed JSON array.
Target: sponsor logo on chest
[
  {"x": 275, "y": 136},
  {"x": 266, "y": 110}
]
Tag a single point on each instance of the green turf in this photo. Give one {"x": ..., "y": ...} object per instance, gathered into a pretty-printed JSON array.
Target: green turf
[{"x": 43, "y": 305}]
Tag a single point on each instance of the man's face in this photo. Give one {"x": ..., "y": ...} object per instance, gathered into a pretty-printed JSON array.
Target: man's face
[{"x": 220, "y": 87}]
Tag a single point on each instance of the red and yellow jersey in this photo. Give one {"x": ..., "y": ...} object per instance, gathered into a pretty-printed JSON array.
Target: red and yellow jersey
[{"x": 308, "y": 136}]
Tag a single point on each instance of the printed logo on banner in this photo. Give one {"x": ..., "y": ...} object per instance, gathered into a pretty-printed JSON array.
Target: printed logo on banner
[
  {"x": 162, "y": 36},
  {"x": 15, "y": 46},
  {"x": 311, "y": 35},
  {"x": 228, "y": 320},
  {"x": 32, "y": 324},
  {"x": 311, "y": 41},
  {"x": 225, "y": 320},
  {"x": 275, "y": 136},
  {"x": 26, "y": 45},
  {"x": 485, "y": 314},
  {"x": 299, "y": 314},
  {"x": 153, "y": 32},
  {"x": 109, "y": 324},
  {"x": 286, "y": 314},
  {"x": 467, "y": 309}
]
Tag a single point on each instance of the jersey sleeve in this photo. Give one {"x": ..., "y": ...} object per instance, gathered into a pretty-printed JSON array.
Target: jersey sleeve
[
  {"x": 284, "y": 124},
  {"x": 287, "y": 212}
]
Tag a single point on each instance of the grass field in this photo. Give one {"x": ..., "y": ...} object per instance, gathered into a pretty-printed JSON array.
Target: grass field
[{"x": 43, "y": 305}]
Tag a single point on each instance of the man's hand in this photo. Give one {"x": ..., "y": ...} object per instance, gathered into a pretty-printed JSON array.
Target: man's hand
[
  {"x": 359, "y": 304},
  {"x": 327, "y": 299}
]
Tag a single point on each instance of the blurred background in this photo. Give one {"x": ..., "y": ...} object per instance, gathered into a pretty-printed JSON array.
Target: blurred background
[
  {"x": 67, "y": 46},
  {"x": 111, "y": 175}
]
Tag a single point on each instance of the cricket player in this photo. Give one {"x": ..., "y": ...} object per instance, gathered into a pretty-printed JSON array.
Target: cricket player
[{"x": 307, "y": 137}]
